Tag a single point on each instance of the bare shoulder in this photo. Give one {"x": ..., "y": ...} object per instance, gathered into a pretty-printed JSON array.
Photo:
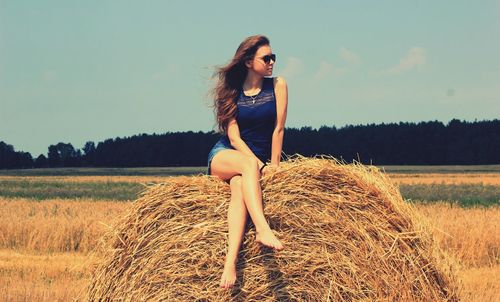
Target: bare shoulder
[{"x": 279, "y": 83}]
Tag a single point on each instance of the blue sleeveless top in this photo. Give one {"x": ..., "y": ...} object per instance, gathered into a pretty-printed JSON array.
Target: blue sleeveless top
[{"x": 256, "y": 118}]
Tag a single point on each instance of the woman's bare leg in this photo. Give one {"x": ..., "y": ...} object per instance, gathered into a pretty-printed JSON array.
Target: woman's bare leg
[
  {"x": 236, "y": 220},
  {"x": 228, "y": 163}
]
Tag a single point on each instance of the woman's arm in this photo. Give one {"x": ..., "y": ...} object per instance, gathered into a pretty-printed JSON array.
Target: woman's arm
[
  {"x": 233, "y": 133},
  {"x": 281, "y": 92}
]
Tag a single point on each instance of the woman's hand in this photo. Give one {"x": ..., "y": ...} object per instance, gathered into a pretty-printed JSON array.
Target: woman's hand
[{"x": 269, "y": 169}]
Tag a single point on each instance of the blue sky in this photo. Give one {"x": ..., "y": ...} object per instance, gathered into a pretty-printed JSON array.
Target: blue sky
[{"x": 74, "y": 71}]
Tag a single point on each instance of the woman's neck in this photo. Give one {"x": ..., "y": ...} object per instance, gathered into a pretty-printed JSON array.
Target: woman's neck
[{"x": 253, "y": 81}]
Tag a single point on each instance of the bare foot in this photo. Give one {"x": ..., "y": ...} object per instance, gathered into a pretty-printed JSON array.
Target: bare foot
[
  {"x": 268, "y": 238},
  {"x": 228, "y": 276}
]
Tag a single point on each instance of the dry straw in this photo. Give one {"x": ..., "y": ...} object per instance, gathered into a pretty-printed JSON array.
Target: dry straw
[{"x": 348, "y": 236}]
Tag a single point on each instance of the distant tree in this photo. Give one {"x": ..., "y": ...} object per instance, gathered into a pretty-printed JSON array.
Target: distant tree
[
  {"x": 41, "y": 161},
  {"x": 64, "y": 155},
  {"x": 7, "y": 154},
  {"x": 403, "y": 143},
  {"x": 88, "y": 148},
  {"x": 10, "y": 159},
  {"x": 54, "y": 157}
]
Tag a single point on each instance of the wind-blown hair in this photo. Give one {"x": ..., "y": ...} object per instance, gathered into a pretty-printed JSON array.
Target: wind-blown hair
[{"x": 231, "y": 78}]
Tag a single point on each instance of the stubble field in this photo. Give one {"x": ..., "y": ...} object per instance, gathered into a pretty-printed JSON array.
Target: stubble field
[{"x": 49, "y": 225}]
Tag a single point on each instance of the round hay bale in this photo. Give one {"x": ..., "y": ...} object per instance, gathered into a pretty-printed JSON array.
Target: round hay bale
[{"x": 347, "y": 232}]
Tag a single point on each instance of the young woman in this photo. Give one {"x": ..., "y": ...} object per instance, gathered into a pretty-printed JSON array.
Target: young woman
[{"x": 251, "y": 111}]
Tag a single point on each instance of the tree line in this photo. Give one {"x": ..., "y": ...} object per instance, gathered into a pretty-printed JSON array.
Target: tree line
[{"x": 404, "y": 143}]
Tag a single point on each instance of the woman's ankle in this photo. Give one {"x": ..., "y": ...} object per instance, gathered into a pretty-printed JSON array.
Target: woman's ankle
[
  {"x": 231, "y": 262},
  {"x": 262, "y": 229}
]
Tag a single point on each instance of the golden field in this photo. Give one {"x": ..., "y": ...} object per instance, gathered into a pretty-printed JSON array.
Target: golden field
[
  {"x": 117, "y": 178},
  {"x": 449, "y": 178},
  {"x": 399, "y": 178},
  {"x": 45, "y": 245}
]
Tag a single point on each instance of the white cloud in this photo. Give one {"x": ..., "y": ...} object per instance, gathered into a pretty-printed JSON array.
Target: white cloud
[
  {"x": 293, "y": 67},
  {"x": 349, "y": 56},
  {"x": 415, "y": 58},
  {"x": 326, "y": 69}
]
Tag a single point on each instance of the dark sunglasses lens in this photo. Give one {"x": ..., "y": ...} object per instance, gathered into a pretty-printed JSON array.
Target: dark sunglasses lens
[{"x": 268, "y": 58}]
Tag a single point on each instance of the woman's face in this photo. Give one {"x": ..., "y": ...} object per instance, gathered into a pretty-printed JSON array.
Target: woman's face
[{"x": 258, "y": 65}]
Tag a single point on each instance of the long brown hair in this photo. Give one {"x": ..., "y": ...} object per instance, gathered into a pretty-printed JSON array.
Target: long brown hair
[{"x": 231, "y": 78}]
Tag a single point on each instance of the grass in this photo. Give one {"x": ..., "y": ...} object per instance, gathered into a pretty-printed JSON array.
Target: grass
[
  {"x": 143, "y": 171},
  {"x": 448, "y": 178},
  {"x": 56, "y": 225},
  {"x": 465, "y": 195},
  {"x": 39, "y": 188},
  {"x": 43, "y": 189},
  {"x": 175, "y": 171},
  {"x": 26, "y": 276},
  {"x": 469, "y": 234},
  {"x": 442, "y": 169}
]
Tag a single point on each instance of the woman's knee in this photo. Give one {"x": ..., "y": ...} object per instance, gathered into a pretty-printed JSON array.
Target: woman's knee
[
  {"x": 250, "y": 163},
  {"x": 229, "y": 163}
]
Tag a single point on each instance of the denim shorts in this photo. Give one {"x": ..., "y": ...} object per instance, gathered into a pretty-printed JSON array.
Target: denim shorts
[{"x": 220, "y": 145}]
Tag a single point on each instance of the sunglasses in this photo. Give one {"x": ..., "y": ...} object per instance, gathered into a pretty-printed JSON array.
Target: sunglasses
[{"x": 267, "y": 58}]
